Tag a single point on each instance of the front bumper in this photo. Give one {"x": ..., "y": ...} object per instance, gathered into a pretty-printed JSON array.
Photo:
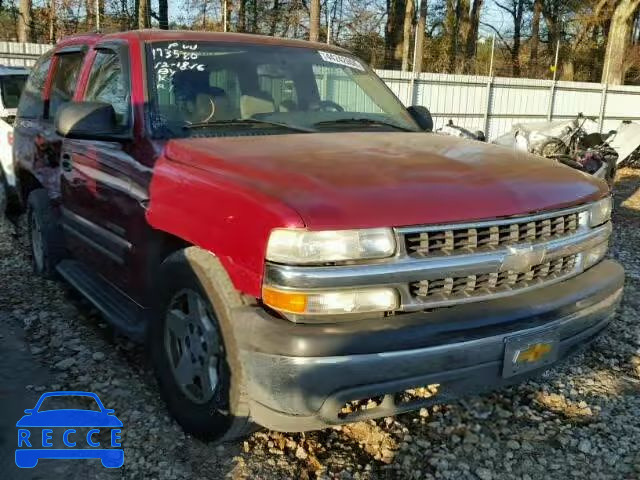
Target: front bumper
[{"x": 300, "y": 376}]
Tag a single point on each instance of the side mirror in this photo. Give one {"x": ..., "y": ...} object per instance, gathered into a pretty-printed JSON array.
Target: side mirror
[
  {"x": 89, "y": 121},
  {"x": 29, "y": 411},
  {"x": 422, "y": 117}
]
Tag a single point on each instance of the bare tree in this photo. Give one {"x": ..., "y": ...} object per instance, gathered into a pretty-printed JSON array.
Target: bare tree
[
  {"x": 618, "y": 42},
  {"x": 409, "y": 14},
  {"x": 471, "y": 34},
  {"x": 163, "y": 14},
  {"x": 535, "y": 32},
  {"x": 275, "y": 14},
  {"x": 241, "y": 26},
  {"x": 451, "y": 30},
  {"x": 144, "y": 14},
  {"x": 24, "y": 21},
  {"x": 420, "y": 32},
  {"x": 314, "y": 20},
  {"x": 394, "y": 34},
  {"x": 52, "y": 21},
  {"x": 516, "y": 10}
]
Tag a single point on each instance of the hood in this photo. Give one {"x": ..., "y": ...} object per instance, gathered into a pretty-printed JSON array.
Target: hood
[{"x": 363, "y": 180}]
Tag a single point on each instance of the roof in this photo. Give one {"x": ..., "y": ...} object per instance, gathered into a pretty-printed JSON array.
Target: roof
[
  {"x": 153, "y": 35},
  {"x": 9, "y": 70}
]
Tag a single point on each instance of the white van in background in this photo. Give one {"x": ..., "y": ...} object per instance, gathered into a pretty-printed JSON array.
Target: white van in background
[{"x": 12, "y": 81}]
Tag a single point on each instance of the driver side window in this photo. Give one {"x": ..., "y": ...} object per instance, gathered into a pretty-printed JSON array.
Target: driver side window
[{"x": 107, "y": 83}]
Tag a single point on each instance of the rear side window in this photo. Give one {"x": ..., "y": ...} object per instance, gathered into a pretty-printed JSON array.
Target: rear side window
[
  {"x": 31, "y": 102},
  {"x": 65, "y": 80},
  {"x": 12, "y": 86},
  {"x": 107, "y": 84}
]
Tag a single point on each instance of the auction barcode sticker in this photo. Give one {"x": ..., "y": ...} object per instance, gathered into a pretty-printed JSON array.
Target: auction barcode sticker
[{"x": 341, "y": 60}]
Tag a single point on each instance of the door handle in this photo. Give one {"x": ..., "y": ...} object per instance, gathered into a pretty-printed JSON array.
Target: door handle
[{"x": 67, "y": 164}]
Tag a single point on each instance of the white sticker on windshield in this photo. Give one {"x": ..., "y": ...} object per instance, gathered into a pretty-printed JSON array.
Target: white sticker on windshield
[{"x": 341, "y": 60}]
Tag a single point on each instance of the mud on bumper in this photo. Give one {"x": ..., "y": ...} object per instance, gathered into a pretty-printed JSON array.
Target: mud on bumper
[{"x": 300, "y": 377}]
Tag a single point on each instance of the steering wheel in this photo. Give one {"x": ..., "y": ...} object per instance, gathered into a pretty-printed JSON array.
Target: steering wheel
[{"x": 326, "y": 106}]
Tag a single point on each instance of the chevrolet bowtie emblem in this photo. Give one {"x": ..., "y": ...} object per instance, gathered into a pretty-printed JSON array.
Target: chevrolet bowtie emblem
[
  {"x": 522, "y": 258},
  {"x": 533, "y": 353}
]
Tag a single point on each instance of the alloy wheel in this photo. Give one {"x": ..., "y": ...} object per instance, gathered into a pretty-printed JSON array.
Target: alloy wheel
[{"x": 192, "y": 345}]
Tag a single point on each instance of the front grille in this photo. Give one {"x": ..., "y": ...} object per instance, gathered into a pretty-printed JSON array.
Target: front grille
[
  {"x": 452, "y": 288},
  {"x": 489, "y": 237}
]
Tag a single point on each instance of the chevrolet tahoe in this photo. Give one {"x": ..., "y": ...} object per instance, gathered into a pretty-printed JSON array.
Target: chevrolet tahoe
[{"x": 293, "y": 245}]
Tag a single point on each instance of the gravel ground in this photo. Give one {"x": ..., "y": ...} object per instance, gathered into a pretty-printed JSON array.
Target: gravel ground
[{"x": 580, "y": 420}]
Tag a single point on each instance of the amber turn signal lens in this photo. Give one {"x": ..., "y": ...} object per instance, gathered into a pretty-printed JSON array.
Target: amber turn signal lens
[{"x": 291, "y": 302}]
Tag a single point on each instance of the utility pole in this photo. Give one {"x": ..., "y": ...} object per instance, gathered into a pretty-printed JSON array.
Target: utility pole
[
  {"x": 224, "y": 16},
  {"x": 493, "y": 51},
  {"x": 97, "y": 6},
  {"x": 555, "y": 65}
]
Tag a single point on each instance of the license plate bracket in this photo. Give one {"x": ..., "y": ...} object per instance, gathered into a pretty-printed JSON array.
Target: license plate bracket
[{"x": 530, "y": 351}]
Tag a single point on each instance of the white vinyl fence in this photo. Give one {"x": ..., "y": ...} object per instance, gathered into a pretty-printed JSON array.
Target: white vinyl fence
[
  {"x": 495, "y": 104},
  {"x": 474, "y": 102}
]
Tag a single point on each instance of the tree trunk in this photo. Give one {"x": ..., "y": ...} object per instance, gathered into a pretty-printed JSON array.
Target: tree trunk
[
  {"x": 228, "y": 4},
  {"x": 24, "y": 21},
  {"x": 254, "y": 16},
  {"x": 421, "y": 27},
  {"x": 394, "y": 34},
  {"x": 535, "y": 34},
  {"x": 471, "y": 41},
  {"x": 275, "y": 13},
  {"x": 242, "y": 16},
  {"x": 518, "y": 12},
  {"x": 314, "y": 20},
  {"x": 52, "y": 21},
  {"x": 144, "y": 14},
  {"x": 451, "y": 28},
  {"x": 91, "y": 14},
  {"x": 163, "y": 14},
  {"x": 618, "y": 42},
  {"x": 409, "y": 14}
]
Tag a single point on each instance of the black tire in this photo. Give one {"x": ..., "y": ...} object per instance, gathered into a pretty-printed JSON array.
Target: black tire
[
  {"x": 553, "y": 148},
  {"x": 4, "y": 195},
  {"x": 224, "y": 416},
  {"x": 45, "y": 234}
]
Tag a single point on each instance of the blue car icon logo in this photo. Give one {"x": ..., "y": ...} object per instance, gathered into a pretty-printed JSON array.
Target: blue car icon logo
[{"x": 41, "y": 426}]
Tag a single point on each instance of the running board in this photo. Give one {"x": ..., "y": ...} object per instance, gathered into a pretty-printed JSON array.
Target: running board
[{"x": 119, "y": 310}]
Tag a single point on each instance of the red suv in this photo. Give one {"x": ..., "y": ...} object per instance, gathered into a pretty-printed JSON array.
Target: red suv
[{"x": 292, "y": 245}]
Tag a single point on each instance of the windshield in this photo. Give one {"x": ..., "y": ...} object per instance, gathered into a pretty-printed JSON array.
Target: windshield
[
  {"x": 209, "y": 88},
  {"x": 11, "y": 87}
]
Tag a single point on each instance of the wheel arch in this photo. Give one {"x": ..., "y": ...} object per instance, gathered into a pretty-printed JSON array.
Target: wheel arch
[{"x": 26, "y": 183}]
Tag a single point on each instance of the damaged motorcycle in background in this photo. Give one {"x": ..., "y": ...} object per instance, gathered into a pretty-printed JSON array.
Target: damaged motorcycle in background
[{"x": 577, "y": 143}]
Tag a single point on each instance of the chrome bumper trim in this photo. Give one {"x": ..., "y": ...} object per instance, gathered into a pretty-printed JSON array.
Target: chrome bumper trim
[{"x": 404, "y": 270}]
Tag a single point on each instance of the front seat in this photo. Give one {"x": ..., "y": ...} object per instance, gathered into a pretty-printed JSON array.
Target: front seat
[
  {"x": 256, "y": 103},
  {"x": 197, "y": 100}
]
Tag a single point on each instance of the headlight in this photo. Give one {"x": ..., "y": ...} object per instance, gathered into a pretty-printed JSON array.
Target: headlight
[
  {"x": 594, "y": 255},
  {"x": 305, "y": 247},
  {"x": 364, "y": 300},
  {"x": 600, "y": 212}
]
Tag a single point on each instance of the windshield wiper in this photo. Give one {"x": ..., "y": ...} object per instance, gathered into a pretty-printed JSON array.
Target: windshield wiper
[
  {"x": 247, "y": 121},
  {"x": 362, "y": 121}
]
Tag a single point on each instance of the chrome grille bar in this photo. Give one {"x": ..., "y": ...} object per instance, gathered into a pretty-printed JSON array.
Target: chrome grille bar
[{"x": 499, "y": 258}]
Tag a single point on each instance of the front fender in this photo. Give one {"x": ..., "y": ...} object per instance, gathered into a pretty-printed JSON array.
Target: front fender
[{"x": 213, "y": 211}]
